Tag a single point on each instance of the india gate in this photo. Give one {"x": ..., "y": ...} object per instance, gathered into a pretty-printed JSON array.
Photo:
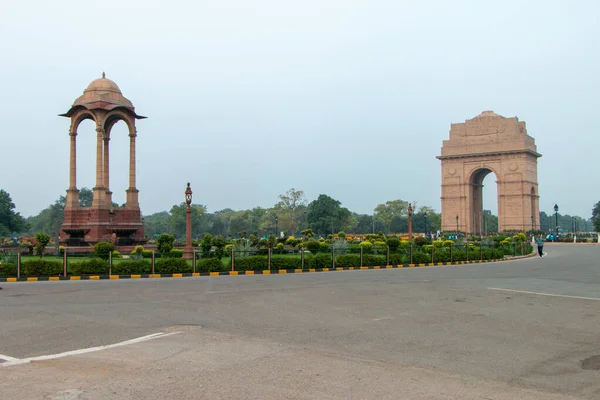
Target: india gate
[
  {"x": 103, "y": 103},
  {"x": 489, "y": 143}
]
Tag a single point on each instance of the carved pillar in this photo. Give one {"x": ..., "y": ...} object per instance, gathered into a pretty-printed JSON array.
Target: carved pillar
[
  {"x": 132, "y": 192},
  {"x": 106, "y": 170},
  {"x": 72, "y": 192}
]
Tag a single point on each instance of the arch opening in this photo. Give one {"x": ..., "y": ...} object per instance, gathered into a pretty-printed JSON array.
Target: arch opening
[
  {"x": 86, "y": 157},
  {"x": 485, "y": 200},
  {"x": 119, "y": 161}
]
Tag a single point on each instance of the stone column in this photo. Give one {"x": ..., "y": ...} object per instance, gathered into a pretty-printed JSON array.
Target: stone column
[
  {"x": 132, "y": 160},
  {"x": 132, "y": 192},
  {"x": 106, "y": 171},
  {"x": 72, "y": 192},
  {"x": 99, "y": 188}
]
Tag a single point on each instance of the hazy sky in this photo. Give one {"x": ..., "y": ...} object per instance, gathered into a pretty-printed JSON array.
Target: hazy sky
[{"x": 247, "y": 99}]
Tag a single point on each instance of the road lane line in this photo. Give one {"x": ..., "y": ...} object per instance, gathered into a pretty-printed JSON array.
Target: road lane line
[
  {"x": 84, "y": 351},
  {"x": 7, "y": 358},
  {"x": 546, "y": 294}
]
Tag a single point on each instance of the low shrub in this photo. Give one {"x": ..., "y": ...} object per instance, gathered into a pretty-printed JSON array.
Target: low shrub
[
  {"x": 41, "y": 267},
  {"x": 103, "y": 249},
  {"x": 94, "y": 266},
  {"x": 128, "y": 267},
  {"x": 8, "y": 269},
  {"x": 209, "y": 265},
  {"x": 348, "y": 260},
  {"x": 174, "y": 253},
  {"x": 171, "y": 265},
  {"x": 116, "y": 254}
]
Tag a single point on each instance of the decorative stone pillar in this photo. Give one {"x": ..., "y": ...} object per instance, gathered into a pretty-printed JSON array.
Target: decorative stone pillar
[
  {"x": 72, "y": 192},
  {"x": 132, "y": 192},
  {"x": 99, "y": 190},
  {"x": 106, "y": 171}
]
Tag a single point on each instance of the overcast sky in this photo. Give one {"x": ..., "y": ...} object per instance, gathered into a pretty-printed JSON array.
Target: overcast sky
[{"x": 247, "y": 99}]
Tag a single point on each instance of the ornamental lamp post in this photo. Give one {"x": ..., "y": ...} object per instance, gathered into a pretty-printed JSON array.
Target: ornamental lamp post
[
  {"x": 532, "y": 228},
  {"x": 457, "y": 226},
  {"x": 276, "y": 226},
  {"x": 426, "y": 227},
  {"x": 410, "y": 214},
  {"x": 556, "y": 219},
  {"x": 188, "y": 252}
]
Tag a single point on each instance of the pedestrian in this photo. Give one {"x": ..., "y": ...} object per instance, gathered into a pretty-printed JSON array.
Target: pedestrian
[{"x": 540, "y": 244}]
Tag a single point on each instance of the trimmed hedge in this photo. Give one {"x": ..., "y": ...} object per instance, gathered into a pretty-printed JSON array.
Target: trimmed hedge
[
  {"x": 209, "y": 265},
  {"x": 95, "y": 266},
  {"x": 8, "y": 269},
  {"x": 171, "y": 265},
  {"x": 128, "y": 267},
  {"x": 41, "y": 267}
]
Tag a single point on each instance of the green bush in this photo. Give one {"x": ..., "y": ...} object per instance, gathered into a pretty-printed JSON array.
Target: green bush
[
  {"x": 116, "y": 254},
  {"x": 129, "y": 267},
  {"x": 323, "y": 260},
  {"x": 251, "y": 263},
  {"x": 209, "y": 265},
  {"x": 138, "y": 250},
  {"x": 103, "y": 249},
  {"x": 164, "y": 242},
  {"x": 171, "y": 265},
  {"x": 421, "y": 241},
  {"x": 147, "y": 253},
  {"x": 174, "y": 253},
  {"x": 313, "y": 246},
  {"x": 370, "y": 259},
  {"x": 348, "y": 260},
  {"x": 94, "y": 266},
  {"x": 394, "y": 243},
  {"x": 42, "y": 241},
  {"x": 41, "y": 267},
  {"x": 420, "y": 257},
  {"x": 323, "y": 247},
  {"x": 8, "y": 269}
]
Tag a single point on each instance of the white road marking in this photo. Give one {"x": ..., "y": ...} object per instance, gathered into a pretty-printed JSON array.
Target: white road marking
[
  {"x": 546, "y": 294},
  {"x": 7, "y": 358},
  {"x": 17, "y": 361}
]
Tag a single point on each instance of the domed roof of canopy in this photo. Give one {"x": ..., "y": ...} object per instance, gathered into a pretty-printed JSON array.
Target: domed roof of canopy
[
  {"x": 102, "y": 94},
  {"x": 488, "y": 114}
]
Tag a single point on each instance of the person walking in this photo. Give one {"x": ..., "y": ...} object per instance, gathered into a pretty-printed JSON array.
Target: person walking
[{"x": 540, "y": 244}]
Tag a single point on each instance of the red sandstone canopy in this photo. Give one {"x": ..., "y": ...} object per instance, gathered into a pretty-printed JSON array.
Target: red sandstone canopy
[{"x": 102, "y": 94}]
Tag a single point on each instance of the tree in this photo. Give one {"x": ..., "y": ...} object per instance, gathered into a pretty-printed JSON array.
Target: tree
[
  {"x": 490, "y": 222},
  {"x": 164, "y": 243},
  {"x": 42, "y": 241},
  {"x": 386, "y": 213},
  {"x": 206, "y": 245},
  {"x": 596, "y": 216},
  {"x": 291, "y": 207},
  {"x": 50, "y": 219},
  {"x": 325, "y": 215},
  {"x": 10, "y": 221},
  {"x": 177, "y": 222}
]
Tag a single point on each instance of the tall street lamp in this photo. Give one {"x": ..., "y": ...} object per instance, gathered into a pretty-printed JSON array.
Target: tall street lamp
[
  {"x": 426, "y": 227},
  {"x": 532, "y": 229},
  {"x": 188, "y": 252},
  {"x": 276, "y": 226},
  {"x": 556, "y": 218},
  {"x": 410, "y": 214},
  {"x": 457, "y": 226}
]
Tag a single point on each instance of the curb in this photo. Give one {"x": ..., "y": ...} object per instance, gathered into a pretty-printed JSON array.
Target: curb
[{"x": 250, "y": 272}]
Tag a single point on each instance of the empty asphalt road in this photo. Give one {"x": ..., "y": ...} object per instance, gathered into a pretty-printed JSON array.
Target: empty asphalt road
[{"x": 526, "y": 329}]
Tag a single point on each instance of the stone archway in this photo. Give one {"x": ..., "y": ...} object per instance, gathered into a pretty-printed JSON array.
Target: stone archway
[{"x": 489, "y": 143}]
